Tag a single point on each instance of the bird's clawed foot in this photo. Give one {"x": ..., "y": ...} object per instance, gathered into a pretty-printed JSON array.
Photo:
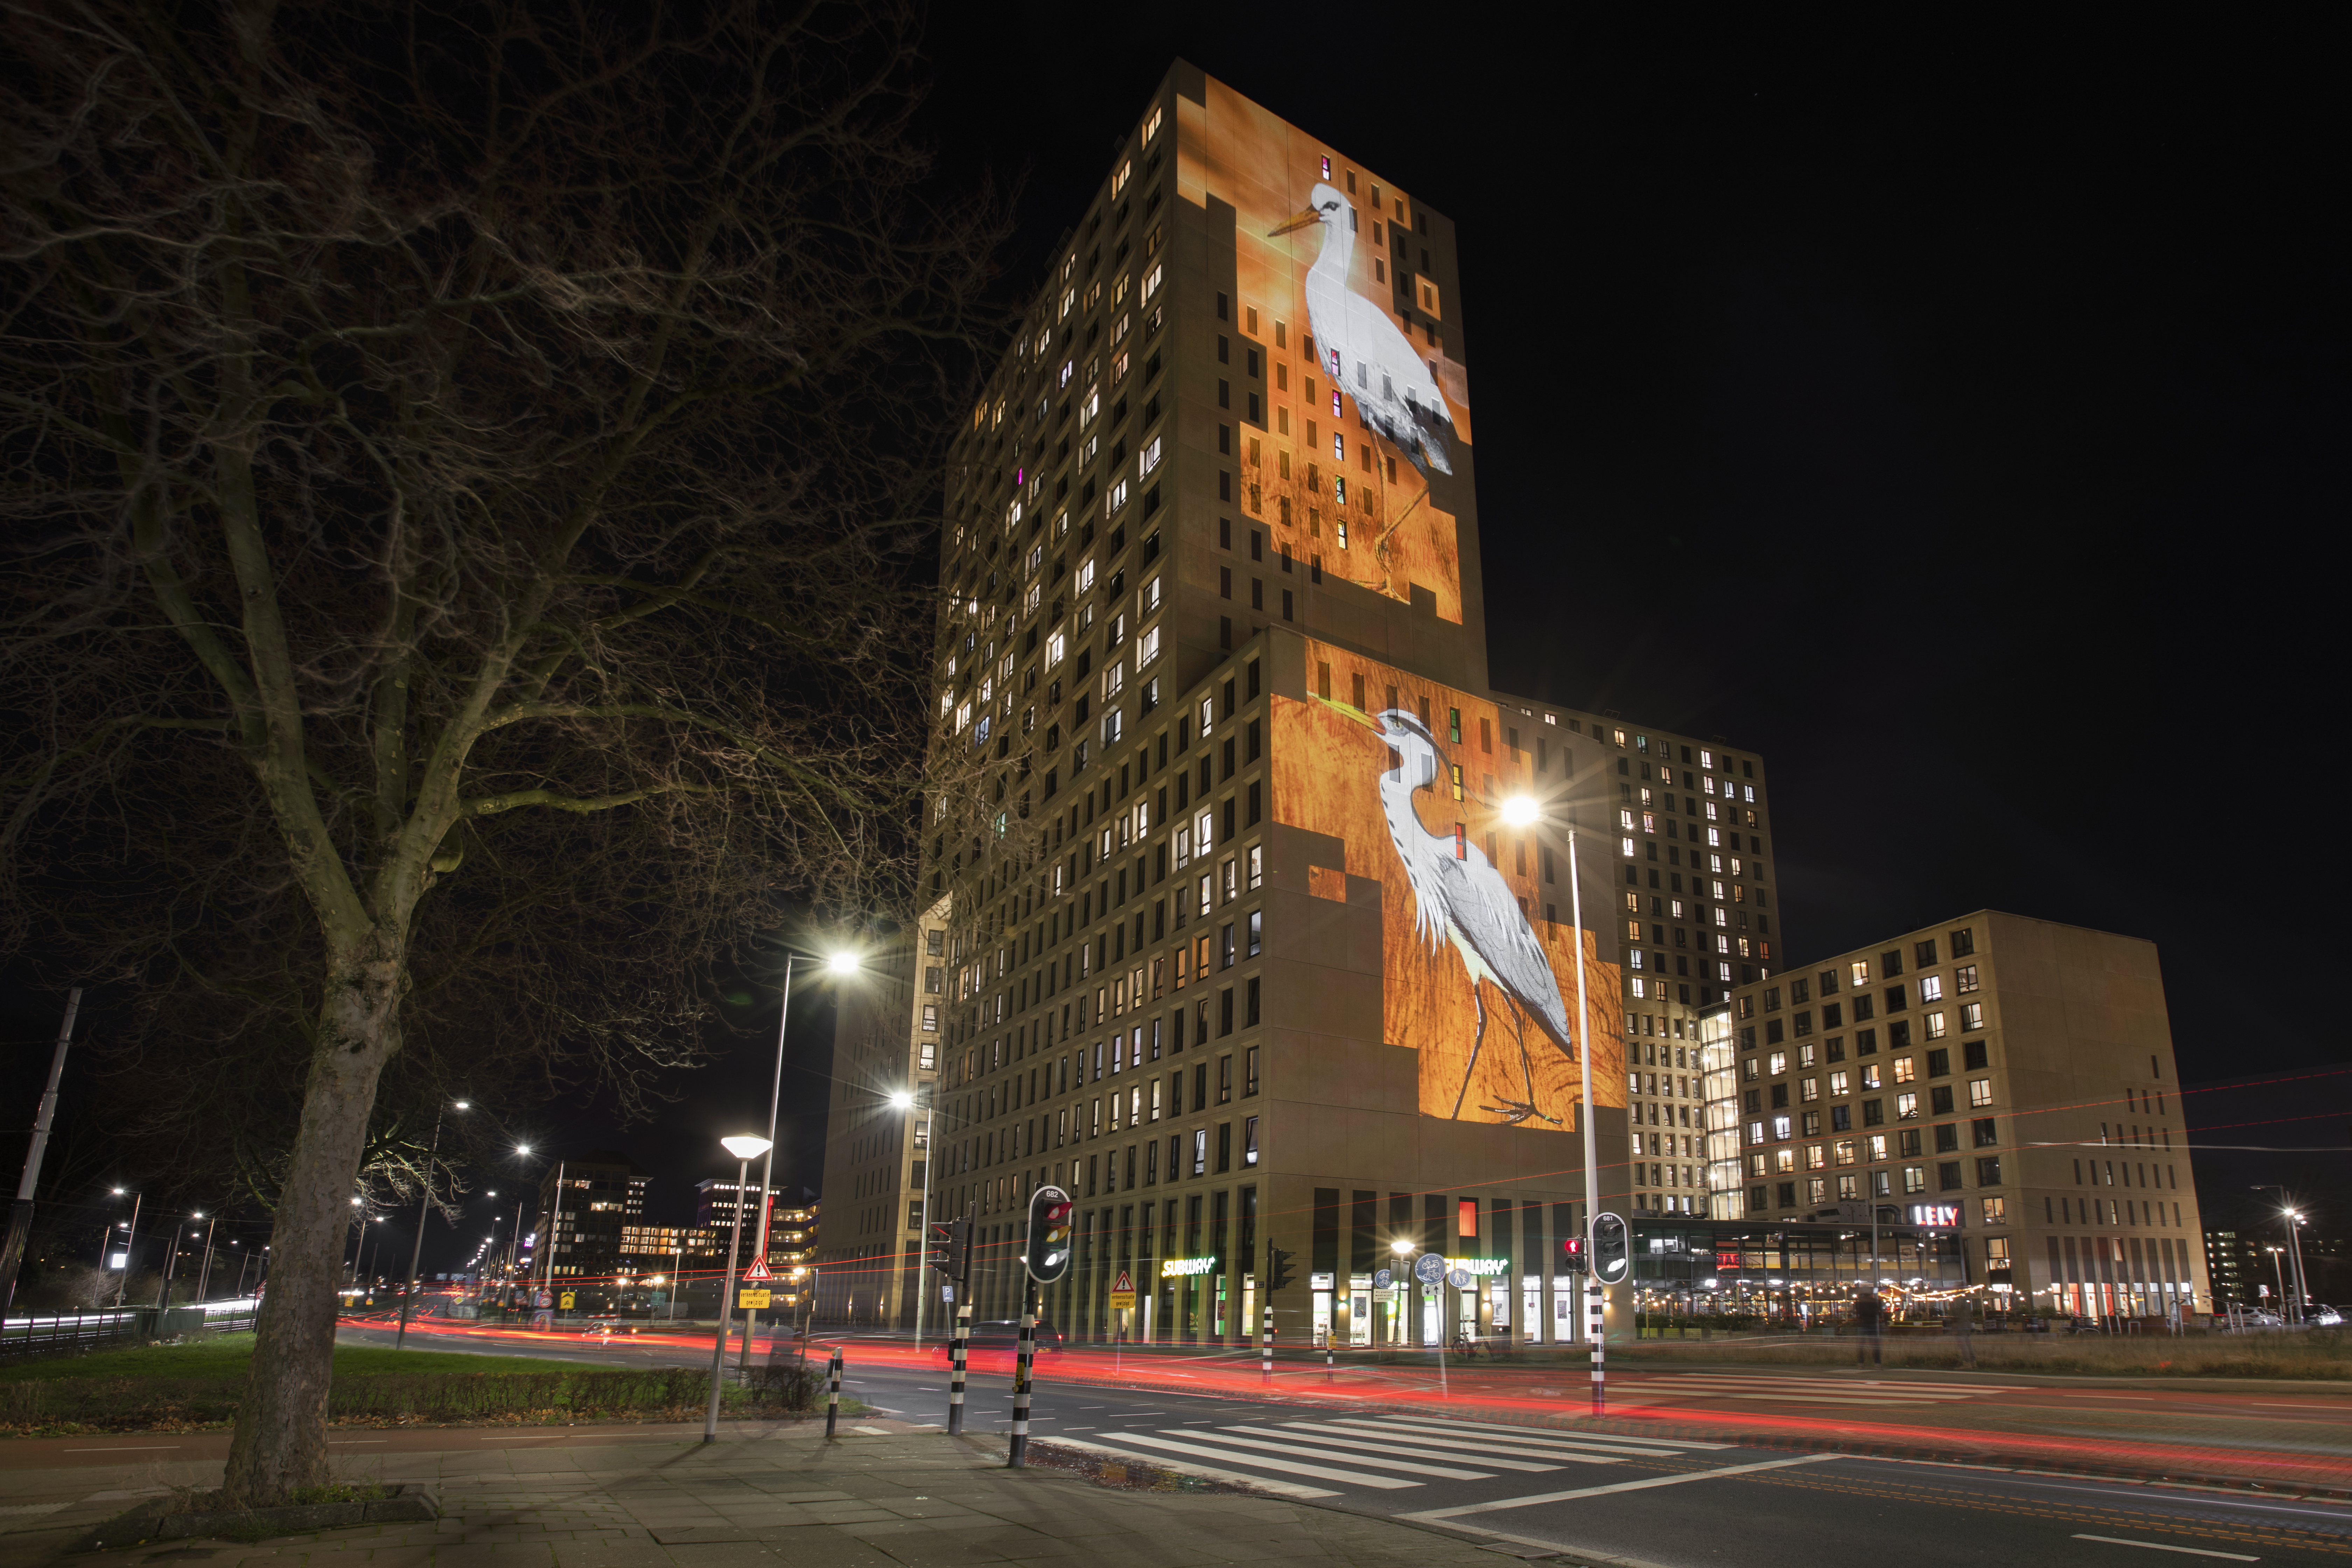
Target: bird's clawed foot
[{"x": 1514, "y": 1111}]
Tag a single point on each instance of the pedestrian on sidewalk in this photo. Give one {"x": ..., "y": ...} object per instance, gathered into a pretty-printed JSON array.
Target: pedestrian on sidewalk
[
  {"x": 1869, "y": 1312},
  {"x": 1962, "y": 1319}
]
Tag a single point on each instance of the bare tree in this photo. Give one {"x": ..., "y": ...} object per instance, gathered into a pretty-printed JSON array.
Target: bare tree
[{"x": 468, "y": 468}]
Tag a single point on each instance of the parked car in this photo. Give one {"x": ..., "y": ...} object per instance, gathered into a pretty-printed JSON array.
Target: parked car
[
  {"x": 1004, "y": 1335},
  {"x": 2323, "y": 1316}
]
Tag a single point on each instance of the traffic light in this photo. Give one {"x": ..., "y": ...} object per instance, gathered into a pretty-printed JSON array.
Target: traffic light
[
  {"x": 1049, "y": 1235},
  {"x": 1277, "y": 1269},
  {"x": 949, "y": 1240},
  {"x": 1611, "y": 1263},
  {"x": 1572, "y": 1254}
]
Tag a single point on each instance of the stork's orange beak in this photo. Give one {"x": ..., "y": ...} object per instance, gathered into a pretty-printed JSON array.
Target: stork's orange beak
[{"x": 1299, "y": 219}]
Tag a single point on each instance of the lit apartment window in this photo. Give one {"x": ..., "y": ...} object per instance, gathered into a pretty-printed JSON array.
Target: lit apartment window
[
  {"x": 1964, "y": 978},
  {"x": 1980, "y": 1092}
]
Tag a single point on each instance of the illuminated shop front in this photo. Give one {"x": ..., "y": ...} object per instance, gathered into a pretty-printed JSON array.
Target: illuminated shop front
[{"x": 1802, "y": 1272}]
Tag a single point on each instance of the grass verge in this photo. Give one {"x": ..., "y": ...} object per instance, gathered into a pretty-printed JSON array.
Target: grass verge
[{"x": 189, "y": 1388}]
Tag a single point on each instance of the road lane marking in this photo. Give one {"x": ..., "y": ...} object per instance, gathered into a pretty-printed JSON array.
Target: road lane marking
[
  {"x": 2162, "y": 1546},
  {"x": 1264, "y": 1483},
  {"x": 1436, "y": 1514},
  {"x": 1428, "y": 1448},
  {"x": 1379, "y": 1432},
  {"x": 125, "y": 1448},
  {"x": 1340, "y": 1456},
  {"x": 1319, "y": 1472},
  {"x": 1540, "y": 1437}
]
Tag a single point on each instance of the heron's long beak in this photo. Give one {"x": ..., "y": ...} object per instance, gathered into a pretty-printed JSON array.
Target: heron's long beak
[
  {"x": 1353, "y": 716},
  {"x": 1296, "y": 220}
]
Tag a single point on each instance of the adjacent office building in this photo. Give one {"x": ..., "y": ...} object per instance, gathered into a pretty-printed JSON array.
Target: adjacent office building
[
  {"x": 1237, "y": 933},
  {"x": 1998, "y": 1091}
]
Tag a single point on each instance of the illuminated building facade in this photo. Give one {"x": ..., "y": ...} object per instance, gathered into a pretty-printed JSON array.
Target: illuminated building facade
[
  {"x": 2004, "y": 1082},
  {"x": 1231, "y": 938}
]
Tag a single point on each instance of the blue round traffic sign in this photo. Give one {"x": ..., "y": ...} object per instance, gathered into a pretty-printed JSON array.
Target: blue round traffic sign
[
  {"x": 1382, "y": 1279},
  {"x": 1459, "y": 1279},
  {"x": 1429, "y": 1268}
]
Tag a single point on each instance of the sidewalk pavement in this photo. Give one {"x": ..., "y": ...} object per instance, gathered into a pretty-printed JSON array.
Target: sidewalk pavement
[{"x": 763, "y": 1497}]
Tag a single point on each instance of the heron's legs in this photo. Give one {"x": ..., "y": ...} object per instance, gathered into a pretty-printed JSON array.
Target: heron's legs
[
  {"x": 1514, "y": 1111},
  {"x": 1476, "y": 1041}
]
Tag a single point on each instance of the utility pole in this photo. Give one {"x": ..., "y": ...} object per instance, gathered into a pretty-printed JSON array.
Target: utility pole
[{"x": 20, "y": 1216}]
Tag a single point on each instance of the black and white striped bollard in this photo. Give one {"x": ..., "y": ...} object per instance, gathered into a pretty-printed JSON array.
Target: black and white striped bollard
[
  {"x": 832, "y": 1391},
  {"x": 1017, "y": 1457},
  {"x": 1600, "y": 1352},
  {"x": 956, "y": 1348}
]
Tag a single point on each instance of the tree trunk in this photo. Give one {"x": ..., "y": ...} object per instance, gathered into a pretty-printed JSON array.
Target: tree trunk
[{"x": 281, "y": 1424}]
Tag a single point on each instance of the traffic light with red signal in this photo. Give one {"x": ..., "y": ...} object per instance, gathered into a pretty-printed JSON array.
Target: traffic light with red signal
[
  {"x": 1572, "y": 1254},
  {"x": 1049, "y": 1235}
]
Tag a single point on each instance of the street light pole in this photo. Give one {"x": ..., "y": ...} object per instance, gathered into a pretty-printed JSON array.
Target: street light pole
[
  {"x": 129, "y": 1240},
  {"x": 2292, "y": 1220},
  {"x": 743, "y": 1149},
  {"x": 840, "y": 964},
  {"x": 424, "y": 1207}
]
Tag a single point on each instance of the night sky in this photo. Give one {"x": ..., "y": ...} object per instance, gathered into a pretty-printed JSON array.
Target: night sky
[{"x": 1955, "y": 418}]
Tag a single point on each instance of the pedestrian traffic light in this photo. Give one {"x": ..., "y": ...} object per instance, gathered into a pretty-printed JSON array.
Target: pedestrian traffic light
[
  {"x": 1049, "y": 1235},
  {"x": 1277, "y": 1269},
  {"x": 949, "y": 1240},
  {"x": 1611, "y": 1263},
  {"x": 1572, "y": 1254}
]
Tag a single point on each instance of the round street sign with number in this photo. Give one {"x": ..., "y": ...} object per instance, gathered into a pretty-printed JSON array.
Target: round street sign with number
[
  {"x": 1382, "y": 1279},
  {"x": 1459, "y": 1279},
  {"x": 1429, "y": 1268}
]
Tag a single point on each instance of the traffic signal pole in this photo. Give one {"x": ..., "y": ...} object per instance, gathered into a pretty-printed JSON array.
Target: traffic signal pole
[
  {"x": 1592, "y": 1147},
  {"x": 1044, "y": 1260}
]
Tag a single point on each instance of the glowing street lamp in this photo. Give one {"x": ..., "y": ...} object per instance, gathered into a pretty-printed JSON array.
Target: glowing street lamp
[
  {"x": 746, "y": 1148},
  {"x": 1521, "y": 811}
]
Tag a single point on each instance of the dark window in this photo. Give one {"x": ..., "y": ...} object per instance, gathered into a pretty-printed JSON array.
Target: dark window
[
  {"x": 1939, "y": 1063},
  {"x": 1840, "y": 1117},
  {"x": 1898, "y": 1035},
  {"x": 1988, "y": 1171},
  {"x": 1964, "y": 941},
  {"x": 1972, "y": 1053},
  {"x": 1985, "y": 1131},
  {"x": 1862, "y": 1008},
  {"x": 1939, "y": 1099},
  {"x": 1947, "y": 1176},
  {"x": 1948, "y": 1138},
  {"x": 1874, "y": 1112},
  {"x": 1788, "y": 1194},
  {"x": 1890, "y": 964},
  {"x": 1780, "y": 1097},
  {"x": 1832, "y": 1014},
  {"x": 1924, "y": 953},
  {"x": 1771, "y": 1026}
]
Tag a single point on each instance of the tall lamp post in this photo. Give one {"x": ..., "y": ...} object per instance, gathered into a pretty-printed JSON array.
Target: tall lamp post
[
  {"x": 2292, "y": 1218},
  {"x": 1521, "y": 811},
  {"x": 130, "y": 1239},
  {"x": 840, "y": 965},
  {"x": 745, "y": 1148},
  {"x": 424, "y": 1207}
]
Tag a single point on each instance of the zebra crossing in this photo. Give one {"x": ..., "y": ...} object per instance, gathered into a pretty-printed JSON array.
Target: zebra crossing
[
  {"x": 1666, "y": 1388},
  {"x": 1327, "y": 1458}
]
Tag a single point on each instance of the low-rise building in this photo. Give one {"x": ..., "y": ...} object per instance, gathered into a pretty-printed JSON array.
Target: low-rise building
[{"x": 2003, "y": 1081}]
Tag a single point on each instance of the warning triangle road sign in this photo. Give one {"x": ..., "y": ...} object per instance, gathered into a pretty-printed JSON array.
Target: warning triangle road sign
[
  {"x": 759, "y": 1269},
  {"x": 1125, "y": 1282}
]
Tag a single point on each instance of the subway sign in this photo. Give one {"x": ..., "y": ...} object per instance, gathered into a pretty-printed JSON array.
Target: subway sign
[
  {"x": 1496, "y": 1267},
  {"x": 1942, "y": 1217},
  {"x": 1180, "y": 1268}
]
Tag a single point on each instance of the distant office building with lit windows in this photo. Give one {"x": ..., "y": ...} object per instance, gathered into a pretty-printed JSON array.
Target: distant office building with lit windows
[{"x": 2003, "y": 1084}]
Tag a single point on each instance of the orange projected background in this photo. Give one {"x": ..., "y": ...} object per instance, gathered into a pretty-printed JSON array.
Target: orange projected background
[
  {"x": 1386, "y": 535},
  {"x": 1327, "y": 766}
]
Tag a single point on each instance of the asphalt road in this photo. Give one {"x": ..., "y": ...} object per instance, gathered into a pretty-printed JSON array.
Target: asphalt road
[{"x": 1638, "y": 1502}]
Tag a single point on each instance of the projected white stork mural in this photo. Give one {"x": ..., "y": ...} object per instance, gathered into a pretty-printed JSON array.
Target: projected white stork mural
[
  {"x": 1368, "y": 356},
  {"x": 1460, "y": 897}
]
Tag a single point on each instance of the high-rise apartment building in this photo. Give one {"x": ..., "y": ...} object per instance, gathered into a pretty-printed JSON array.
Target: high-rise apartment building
[
  {"x": 1233, "y": 936},
  {"x": 2001, "y": 1091},
  {"x": 588, "y": 1208}
]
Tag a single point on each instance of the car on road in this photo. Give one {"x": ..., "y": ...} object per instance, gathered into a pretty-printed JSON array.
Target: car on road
[{"x": 2323, "y": 1316}]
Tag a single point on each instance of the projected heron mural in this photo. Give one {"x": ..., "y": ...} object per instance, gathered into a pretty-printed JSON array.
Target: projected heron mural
[{"x": 1477, "y": 980}]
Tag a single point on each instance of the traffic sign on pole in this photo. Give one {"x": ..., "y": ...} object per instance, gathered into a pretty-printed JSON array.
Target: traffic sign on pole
[
  {"x": 1123, "y": 1292},
  {"x": 757, "y": 1271}
]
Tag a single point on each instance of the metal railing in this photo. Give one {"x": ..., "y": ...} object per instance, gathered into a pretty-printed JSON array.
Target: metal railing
[{"x": 29, "y": 1339}]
